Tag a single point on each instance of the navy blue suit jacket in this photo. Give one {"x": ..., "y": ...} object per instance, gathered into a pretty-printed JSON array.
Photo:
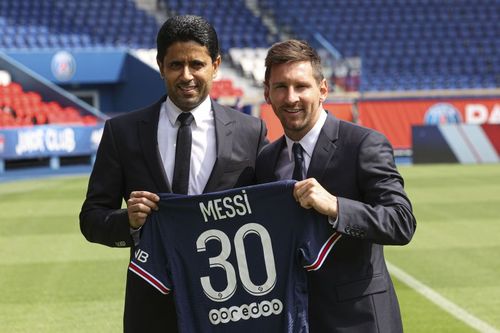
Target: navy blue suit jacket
[
  {"x": 353, "y": 291},
  {"x": 128, "y": 160}
]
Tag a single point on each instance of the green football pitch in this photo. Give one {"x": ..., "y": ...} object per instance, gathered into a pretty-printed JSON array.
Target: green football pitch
[{"x": 53, "y": 280}]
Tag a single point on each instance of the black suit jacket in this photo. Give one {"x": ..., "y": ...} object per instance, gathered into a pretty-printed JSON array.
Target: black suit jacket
[
  {"x": 353, "y": 291},
  {"x": 128, "y": 160}
]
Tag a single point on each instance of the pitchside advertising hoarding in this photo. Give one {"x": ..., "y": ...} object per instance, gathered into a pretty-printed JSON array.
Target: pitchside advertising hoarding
[
  {"x": 341, "y": 110},
  {"x": 396, "y": 118},
  {"x": 49, "y": 141},
  {"x": 438, "y": 130}
]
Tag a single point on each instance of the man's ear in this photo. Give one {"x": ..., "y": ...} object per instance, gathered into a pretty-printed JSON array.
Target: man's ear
[
  {"x": 323, "y": 90},
  {"x": 266, "y": 94},
  {"x": 216, "y": 64},
  {"x": 160, "y": 67}
]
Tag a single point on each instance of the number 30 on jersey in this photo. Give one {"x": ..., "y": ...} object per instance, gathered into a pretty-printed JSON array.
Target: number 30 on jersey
[{"x": 220, "y": 261}]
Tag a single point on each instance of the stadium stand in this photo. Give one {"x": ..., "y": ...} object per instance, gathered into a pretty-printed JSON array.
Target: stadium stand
[
  {"x": 250, "y": 61},
  {"x": 236, "y": 25},
  {"x": 20, "y": 108},
  {"x": 404, "y": 45},
  {"x": 225, "y": 88},
  {"x": 75, "y": 24}
]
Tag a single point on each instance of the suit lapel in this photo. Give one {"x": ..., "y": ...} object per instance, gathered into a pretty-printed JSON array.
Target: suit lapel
[
  {"x": 223, "y": 135},
  {"x": 274, "y": 154},
  {"x": 148, "y": 137},
  {"x": 324, "y": 149}
]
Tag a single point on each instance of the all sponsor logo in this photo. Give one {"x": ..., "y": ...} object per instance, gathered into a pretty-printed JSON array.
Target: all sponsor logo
[
  {"x": 474, "y": 114},
  {"x": 479, "y": 114},
  {"x": 41, "y": 140},
  {"x": 141, "y": 255},
  {"x": 245, "y": 312}
]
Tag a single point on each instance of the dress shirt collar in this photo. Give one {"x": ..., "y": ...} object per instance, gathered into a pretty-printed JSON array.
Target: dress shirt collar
[
  {"x": 200, "y": 113},
  {"x": 309, "y": 140}
]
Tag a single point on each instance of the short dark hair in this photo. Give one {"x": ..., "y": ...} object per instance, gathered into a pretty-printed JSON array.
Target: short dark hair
[
  {"x": 187, "y": 28},
  {"x": 292, "y": 51}
]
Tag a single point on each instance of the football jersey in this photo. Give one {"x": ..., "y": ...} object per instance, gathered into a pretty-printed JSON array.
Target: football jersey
[{"x": 235, "y": 260}]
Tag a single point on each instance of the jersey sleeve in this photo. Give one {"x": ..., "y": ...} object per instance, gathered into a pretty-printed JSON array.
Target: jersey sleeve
[
  {"x": 149, "y": 259},
  {"x": 318, "y": 240}
]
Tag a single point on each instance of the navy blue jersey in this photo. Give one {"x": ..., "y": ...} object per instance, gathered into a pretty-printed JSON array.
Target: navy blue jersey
[{"x": 235, "y": 260}]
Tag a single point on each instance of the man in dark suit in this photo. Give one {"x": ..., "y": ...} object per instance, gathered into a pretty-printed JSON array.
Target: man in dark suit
[
  {"x": 141, "y": 152},
  {"x": 351, "y": 177}
]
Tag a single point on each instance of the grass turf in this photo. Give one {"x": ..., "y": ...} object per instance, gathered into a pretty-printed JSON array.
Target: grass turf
[
  {"x": 53, "y": 280},
  {"x": 454, "y": 250}
]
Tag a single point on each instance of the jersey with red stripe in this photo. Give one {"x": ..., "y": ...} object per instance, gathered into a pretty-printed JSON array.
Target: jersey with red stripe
[{"x": 236, "y": 260}]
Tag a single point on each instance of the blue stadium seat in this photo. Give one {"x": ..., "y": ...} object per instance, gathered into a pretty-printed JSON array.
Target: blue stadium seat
[
  {"x": 73, "y": 23},
  {"x": 436, "y": 41},
  {"x": 404, "y": 44},
  {"x": 236, "y": 25}
]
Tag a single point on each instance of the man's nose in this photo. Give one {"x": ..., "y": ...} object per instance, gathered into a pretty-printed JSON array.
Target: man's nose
[
  {"x": 186, "y": 73},
  {"x": 291, "y": 96}
]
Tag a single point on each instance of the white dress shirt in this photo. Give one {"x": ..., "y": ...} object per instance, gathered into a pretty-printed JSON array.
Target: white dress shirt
[
  {"x": 203, "y": 149},
  {"x": 285, "y": 164},
  {"x": 284, "y": 167}
]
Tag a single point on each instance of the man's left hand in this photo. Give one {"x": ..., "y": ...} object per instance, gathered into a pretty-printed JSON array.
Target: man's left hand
[{"x": 310, "y": 194}]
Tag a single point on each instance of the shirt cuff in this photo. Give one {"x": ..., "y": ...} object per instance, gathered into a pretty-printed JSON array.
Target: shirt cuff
[
  {"x": 136, "y": 235},
  {"x": 333, "y": 222}
]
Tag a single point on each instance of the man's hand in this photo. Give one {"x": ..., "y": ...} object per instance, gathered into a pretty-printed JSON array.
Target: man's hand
[
  {"x": 139, "y": 206},
  {"x": 310, "y": 194}
]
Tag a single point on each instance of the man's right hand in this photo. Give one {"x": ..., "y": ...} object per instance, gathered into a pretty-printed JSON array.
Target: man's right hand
[{"x": 139, "y": 206}]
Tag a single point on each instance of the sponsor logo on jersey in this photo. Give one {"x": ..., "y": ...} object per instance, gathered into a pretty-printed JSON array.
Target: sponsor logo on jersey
[
  {"x": 141, "y": 255},
  {"x": 245, "y": 312}
]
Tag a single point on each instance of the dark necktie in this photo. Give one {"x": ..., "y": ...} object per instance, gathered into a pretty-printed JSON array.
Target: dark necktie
[
  {"x": 180, "y": 180},
  {"x": 299, "y": 162}
]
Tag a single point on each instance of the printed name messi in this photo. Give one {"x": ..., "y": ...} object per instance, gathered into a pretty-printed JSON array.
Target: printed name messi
[{"x": 226, "y": 207}]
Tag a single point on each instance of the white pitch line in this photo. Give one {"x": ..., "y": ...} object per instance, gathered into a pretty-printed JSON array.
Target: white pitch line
[{"x": 441, "y": 301}]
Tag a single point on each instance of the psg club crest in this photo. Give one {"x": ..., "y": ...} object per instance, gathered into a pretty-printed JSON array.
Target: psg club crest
[
  {"x": 63, "y": 66},
  {"x": 442, "y": 113}
]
